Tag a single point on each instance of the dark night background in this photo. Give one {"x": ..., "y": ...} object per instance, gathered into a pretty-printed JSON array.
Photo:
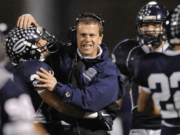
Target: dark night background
[{"x": 58, "y": 15}]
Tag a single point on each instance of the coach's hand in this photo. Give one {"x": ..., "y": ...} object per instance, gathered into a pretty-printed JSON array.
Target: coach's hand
[
  {"x": 25, "y": 20},
  {"x": 105, "y": 119},
  {"x": 47, "y": 79}
]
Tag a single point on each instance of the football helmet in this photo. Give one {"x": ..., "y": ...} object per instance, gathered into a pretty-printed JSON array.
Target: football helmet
[
  {"x": 173, "y": 27},
  {"x": 151, "y": 13},
  {"x": 21, "y": 44}
]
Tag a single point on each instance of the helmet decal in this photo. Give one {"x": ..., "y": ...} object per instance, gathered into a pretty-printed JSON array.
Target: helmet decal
[
  {"x": 173, "y": 26},
  {"x": 21, "y": 44}
]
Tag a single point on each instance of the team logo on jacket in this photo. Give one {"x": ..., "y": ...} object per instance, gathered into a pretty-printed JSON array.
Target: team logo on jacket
[
  {"x": 68, "y": 94},
  {"x": 90, "y": 73}
]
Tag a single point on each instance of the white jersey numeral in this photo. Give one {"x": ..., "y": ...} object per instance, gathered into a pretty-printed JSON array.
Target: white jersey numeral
[{"x": 166, "y": 85}]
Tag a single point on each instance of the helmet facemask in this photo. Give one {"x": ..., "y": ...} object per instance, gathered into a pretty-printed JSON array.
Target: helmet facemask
[
  {"x": 52, "y": 43},
  {"x": 151, "y": 33}
]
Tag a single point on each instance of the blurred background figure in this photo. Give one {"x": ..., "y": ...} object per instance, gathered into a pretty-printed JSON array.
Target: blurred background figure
[
  {"x": 20, "y": 115},
  {"x": 16, "y": 110},
  {"x": 3, "y": 28},
  {"x": 4, "y": 60}
]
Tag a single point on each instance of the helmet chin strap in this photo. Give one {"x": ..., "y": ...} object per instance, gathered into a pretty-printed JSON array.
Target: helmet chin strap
[
  {"x": 158, "y": 47},
  {"x": 152, "y": 41}
]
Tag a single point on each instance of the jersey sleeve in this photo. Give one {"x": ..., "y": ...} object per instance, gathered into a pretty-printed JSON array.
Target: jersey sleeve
[
  {"x": 147, "y": 90},
  {"x": 28, "y": 70}
]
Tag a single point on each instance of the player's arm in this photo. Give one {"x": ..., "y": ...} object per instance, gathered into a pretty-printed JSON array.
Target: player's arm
[
  {"x": 146, "y": 104},
  {"x": 51, "y": 99},
  {"x": 119, "y": 102},
  {"x": 54, "y": 101},
  {"x": 40, "y": 129},
  {"x": 103, "y": 116},
  {"x": 50, "y": 83}
]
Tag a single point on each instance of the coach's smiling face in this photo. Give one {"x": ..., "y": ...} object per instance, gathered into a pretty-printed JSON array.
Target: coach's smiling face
[{"x": 88, "y": 39}]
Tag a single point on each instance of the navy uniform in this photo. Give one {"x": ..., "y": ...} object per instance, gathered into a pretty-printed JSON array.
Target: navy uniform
[
  {"x": 132, "y": 53},
  {"x": 20, "y": 46},
  {"x": 141, "y": 121},
  {"x": 150, "y": 27},
  {"x": 119, "y": 57},
  {"x": 16, "y": 110},
  {"x": 14, "y": 114},
  {"x": 6, "y": 84},
  {"x": 162, "y": 83},
  {"x": 120, "y": 54},
  {"x": 24, "y": 76}
]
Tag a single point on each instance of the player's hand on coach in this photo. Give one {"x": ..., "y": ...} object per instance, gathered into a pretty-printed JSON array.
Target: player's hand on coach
[
  {"x": 25, "y": 20},
  {"x": 47, "y": 80}
]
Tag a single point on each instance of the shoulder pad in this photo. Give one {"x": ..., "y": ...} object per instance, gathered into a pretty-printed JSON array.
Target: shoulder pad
[
  {"x": 120, "y": 54},
  {"x": 28, "y": 70}
]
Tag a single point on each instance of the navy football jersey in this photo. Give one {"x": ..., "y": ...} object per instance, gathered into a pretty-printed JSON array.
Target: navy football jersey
[
  {"x": 163, "y": 82},
  {"x": 24, "y": 77},
  {"x": 8, "y": 90},
  {"x": 134, "y": 52},
  {"x": 120, "y": 54}
]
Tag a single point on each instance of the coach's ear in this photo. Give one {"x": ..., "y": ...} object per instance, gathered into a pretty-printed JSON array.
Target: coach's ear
[{"x": 100, "y": 39}]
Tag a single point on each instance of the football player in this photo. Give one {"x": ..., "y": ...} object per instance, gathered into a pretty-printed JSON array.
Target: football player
[
  {"x": 161, "y": 84},
  {"x": 27, "y": 49},
  {"x": 16, "y": 109},
  {"x": 150, "y": 23}
]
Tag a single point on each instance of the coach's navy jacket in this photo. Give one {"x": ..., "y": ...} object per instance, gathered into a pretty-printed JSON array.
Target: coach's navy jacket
[{"x": 91, "y": 84}]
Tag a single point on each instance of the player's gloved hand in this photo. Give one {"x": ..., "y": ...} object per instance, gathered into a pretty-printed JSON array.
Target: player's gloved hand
[{"x": 105, "y": 119}]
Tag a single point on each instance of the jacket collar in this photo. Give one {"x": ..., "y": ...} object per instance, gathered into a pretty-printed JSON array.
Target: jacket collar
[
  {"x": 102, "y": 56},
  {"x": 98, "y": 56}
]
